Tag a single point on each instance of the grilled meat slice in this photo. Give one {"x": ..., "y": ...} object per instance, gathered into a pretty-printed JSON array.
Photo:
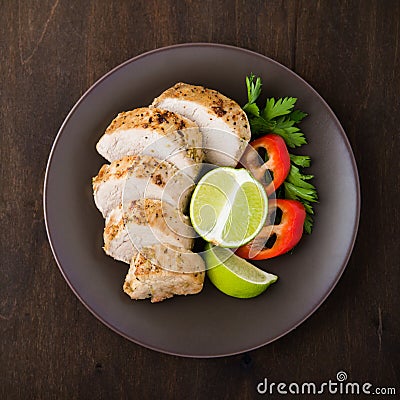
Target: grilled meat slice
[
  {"x": 158, "y": 133},
  {"x": 148, "y": 276},
  {"x": 140, "y": 177},
  {"x": 224, "y": 125},
  {"x": 143, "y": 223}
]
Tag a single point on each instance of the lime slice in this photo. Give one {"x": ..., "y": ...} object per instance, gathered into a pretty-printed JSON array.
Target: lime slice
[
  {"x": 235, "y": 276},
  {"x": 228, "y": 207}
]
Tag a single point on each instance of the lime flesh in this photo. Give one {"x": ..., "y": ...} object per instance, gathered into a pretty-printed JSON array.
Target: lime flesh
[
  {"x": 228, "y": 207},
  {"x": 233, "y": 275}
]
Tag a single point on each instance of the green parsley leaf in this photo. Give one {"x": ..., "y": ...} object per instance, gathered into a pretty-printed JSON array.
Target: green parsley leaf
[
  {"x": 298, "y": 193},
  {"x": 308, "y": 207},
  {"x": 296, "y": 187},
  {"x": 292, "y": 136},
  {"x": 253, "y": 93},
  {"x": 277, "y": 108},
  {"x": 260, "y": 126},
  {"x": 295, "y": 177},
  {"x": 308, "y": 223},
  {"x": 301, "y": 161},
  {"x": 252, "y": 109},
  {"x": 297, "y": 116}
]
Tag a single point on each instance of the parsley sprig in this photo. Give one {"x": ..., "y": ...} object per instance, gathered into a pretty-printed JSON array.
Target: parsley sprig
[
  {"x": 279, "y": 116},
  {"x": 297, "y": 187}
]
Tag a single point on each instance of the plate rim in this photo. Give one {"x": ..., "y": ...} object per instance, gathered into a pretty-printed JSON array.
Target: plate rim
[{"x": 252, "y": 53}]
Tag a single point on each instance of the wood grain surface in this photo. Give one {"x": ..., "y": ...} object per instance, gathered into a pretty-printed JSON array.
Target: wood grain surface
[{"x": 51, "y": 347}]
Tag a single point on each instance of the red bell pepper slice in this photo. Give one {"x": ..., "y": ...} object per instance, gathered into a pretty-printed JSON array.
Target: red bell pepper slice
[
  {"x": 278, "y": 162},
  {"x": 288, "y": 232}
]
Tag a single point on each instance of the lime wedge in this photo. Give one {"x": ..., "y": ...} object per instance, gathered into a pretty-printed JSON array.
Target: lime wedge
[
  {"x": 228, "y": 207},
  {"x": 233, "y": 275}
]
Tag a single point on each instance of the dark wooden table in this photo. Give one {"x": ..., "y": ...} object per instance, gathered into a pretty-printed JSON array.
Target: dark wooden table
[{"x": 52, "y": 51}]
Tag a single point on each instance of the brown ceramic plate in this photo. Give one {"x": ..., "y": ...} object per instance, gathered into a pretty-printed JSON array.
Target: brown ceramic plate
[{"x": 210, "y": 324}]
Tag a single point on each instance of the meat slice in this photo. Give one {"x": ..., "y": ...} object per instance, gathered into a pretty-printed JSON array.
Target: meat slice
[
  {"x": 140, "y": 177},
  {"x": 148, "y": 276},
  {"x": 158, "y": 133},
  {"x": 117, "y": 242},
  {"x": 143, "y": 223},
  {"x": 224, "y": 125}
]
